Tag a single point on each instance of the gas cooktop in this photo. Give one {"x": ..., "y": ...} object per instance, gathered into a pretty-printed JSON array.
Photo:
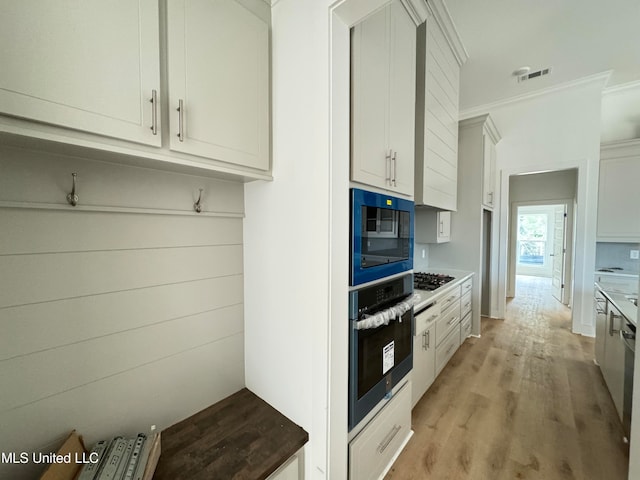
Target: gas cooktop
[{"x": 430, "y": 281}]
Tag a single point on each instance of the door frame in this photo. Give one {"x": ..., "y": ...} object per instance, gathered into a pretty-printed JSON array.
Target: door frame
[{"x": 569, "y": 259}]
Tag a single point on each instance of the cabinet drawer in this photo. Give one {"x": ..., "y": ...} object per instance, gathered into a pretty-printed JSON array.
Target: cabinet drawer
[
  {"x": 465, "y": 328},
  {"x": 426, "y": 318},
  {"x": 465, "y": 304},
  {"x": 446, "y": 349},
  {"x": 449, "y": 320},
  {"x": 370, "y": 452},
  {"x": 449, "y": 298},
  {"x": 467, "y": 286}
]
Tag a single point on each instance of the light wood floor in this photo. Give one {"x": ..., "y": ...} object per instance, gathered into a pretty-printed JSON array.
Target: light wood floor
[{"x": 524, "y": 401}]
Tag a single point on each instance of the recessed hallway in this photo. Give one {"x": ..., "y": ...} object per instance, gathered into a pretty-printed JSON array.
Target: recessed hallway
[{"x": 524, "y": 401}]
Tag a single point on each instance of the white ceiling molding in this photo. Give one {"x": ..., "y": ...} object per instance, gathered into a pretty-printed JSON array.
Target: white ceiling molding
[
  {"x": 442, "y": 16},
  {"x": 620, "y": 148},
  {"x": 621, "y": 88},
  {"x": 418, "y": 10},
  {"x": 486, "y": 108}
]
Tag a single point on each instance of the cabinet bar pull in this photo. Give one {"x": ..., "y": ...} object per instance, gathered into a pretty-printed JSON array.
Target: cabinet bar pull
[
  {"x": 385, "y": 443},
  {"x": 424, "y": 340},
  {"x": 453, "y": 320},
  {"x": 388, "y": 165},
  {"x": 181, "y": 120},
  {"x": 441, "y": 227},
  {"x": 395, "y": 167},
  {"x": 428, "y": 338},
  {"x": 154, "y": 111},
  {"x": 612, "y": 317}
]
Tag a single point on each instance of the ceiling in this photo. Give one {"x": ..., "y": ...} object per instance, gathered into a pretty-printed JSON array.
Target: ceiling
[{"x": 577, "y": 38}]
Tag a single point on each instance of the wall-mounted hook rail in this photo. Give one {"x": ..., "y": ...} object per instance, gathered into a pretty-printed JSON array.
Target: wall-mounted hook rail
[
  {"x": 198, "y": 205},
  {"x": 72, "y": 197}
]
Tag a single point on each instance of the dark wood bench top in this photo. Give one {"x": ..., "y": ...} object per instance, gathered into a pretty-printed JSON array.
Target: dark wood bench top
[{"x": 240, "y": 437}]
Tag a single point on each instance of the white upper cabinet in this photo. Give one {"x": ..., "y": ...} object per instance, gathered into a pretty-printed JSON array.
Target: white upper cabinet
[
  {"x": 383, "y": 100},
  {"x": 618, "y": 193},
  {"x": 218, "y": 63},
  {"x": 88, "y": 65},
  {"x": 437, "y": 108}
]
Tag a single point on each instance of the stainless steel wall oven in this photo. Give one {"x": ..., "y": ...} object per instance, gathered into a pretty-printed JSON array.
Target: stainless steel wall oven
[{"x": 380, "y": 342}]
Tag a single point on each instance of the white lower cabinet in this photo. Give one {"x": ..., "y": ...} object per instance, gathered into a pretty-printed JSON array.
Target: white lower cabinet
[
  {"x": 465, "y": 328},
  {"x": 446, "y": 349},
  {"x": 373, "y": 450},
  {"x": 424, "y": 354},
  {"x": 292, "y": 469}
]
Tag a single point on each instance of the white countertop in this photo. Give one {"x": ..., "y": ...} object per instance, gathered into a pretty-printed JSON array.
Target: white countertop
[
  {"x": 429, "y": 296},
  {"x": 621, "y": 273},
  {"x": 622, "y": 303}
]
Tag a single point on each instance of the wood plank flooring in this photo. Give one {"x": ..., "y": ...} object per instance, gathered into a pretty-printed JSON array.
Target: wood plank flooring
[{"x": 524, "y": 401}]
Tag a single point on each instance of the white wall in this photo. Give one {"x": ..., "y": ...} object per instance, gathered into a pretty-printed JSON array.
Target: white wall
[
  {"x": 287, "y": 229},
  {"x": 621, "y": 113},
  {"x": 120, "y": 313},
  {"x": 297, "y": 232},
  {"x": 556, "y": 131}
]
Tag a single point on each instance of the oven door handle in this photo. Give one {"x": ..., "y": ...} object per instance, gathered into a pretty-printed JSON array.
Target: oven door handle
[{"x": 383, "y": 317}]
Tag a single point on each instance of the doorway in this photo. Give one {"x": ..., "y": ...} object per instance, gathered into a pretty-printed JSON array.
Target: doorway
[{"x": 541, "y": 246}]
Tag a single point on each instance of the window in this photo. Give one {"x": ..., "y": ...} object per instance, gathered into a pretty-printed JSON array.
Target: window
[{"x": 532, "y": 238}]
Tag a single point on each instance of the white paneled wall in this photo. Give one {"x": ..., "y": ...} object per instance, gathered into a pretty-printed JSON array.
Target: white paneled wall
[{"x": 113, "y": 320}]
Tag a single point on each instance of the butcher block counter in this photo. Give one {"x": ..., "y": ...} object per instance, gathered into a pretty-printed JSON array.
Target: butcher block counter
[{"x": 241, "y": 437}]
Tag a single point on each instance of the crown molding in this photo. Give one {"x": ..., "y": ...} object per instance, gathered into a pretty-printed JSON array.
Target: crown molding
[
  {"x": 417, "y": 9},
  {"x": 443, "y": 18},
  {"x": 601, "y": 78},
  {"x": 620, "y": 148},
  {"x": 621, "y": 88},
  {"x": 485, "y": 121}
]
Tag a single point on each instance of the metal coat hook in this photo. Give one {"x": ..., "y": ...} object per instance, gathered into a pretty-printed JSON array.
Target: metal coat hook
[
  {"x": 72, "y": 198},
  {"x": 198, "y": 206}
]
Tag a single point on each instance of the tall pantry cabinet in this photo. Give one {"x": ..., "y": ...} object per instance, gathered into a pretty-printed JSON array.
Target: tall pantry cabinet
[{"x": 383, "y": 88}]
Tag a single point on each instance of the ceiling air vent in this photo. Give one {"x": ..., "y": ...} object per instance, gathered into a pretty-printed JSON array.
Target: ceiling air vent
[{"x": 536, "y": 74}]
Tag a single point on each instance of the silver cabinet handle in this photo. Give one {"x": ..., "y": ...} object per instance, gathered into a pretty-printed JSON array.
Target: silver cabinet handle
[
  {"x": 181, "y": 120},
  {"x": 453, "y": 320},
  {"x": 424, "y": 340},
  {"x": 441, "y": 227},
  {"x": 154, "y": 112},
  {"x": 389, "y": 166},
  {"x": 395, "y": 167},
  {"x": 428, "y": 338},
  {"x": 491, "y": 197},
  {"x": 612, "y": 317},
  {"x": 385, "y": 443}
]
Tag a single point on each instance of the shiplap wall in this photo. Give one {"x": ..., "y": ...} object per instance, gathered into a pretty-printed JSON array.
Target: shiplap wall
[{"x": 114, "y": 320}]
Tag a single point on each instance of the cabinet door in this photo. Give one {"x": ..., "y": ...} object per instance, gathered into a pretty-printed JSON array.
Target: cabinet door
[
  {"x": 444, "y": 227},
  {"x": 488, "y": 172},
  {"x": 618, "y": 200},
  {"x": 424, "y": 364},
  {"x": 370, "y": 156},
  {"x": 613, "y": 368},
  {"x": 218, "y": 63},
  {"x": 88, "y": 65},
  {"x": 402, "y": 97}
]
